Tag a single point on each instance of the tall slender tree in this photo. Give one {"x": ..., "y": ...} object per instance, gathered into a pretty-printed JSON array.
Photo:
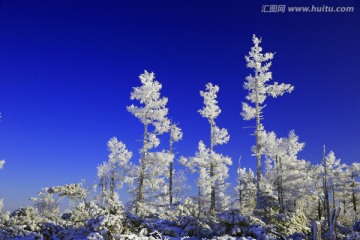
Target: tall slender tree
[
  {"x": 152, "y": 112},
  {"x": 259, "y": 89},
  {"x": 217, "y": 136}
]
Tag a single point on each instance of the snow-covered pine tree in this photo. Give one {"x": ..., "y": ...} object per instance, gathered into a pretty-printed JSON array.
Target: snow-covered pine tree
[
  {"x": 2, "y": 162},
  {"x": 115, "y": 171},
  {"x": 259, "y": 89},
  {"x": 218, "y": 168},
  {"x": 151, "y": 112}
]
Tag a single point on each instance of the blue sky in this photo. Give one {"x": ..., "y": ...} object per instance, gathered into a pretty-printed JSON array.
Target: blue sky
[{"x": 67, "y": 69}]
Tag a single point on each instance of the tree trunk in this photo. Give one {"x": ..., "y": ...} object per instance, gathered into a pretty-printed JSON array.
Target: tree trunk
[
  {"x": 333, "y": 216},
  {"x": 333, "y": 194},
  {"x": 353, "y": 192},
  {"x": 239, "y": 185},
  {"x": 139, "y": 197},
  {"x": 199, "y": 202},
  {"x": 258, "y": 156},
  {"x": 102, "y": 185},
  {"x": 281, "y": 188},
  {"x": 317, "y": 230},
  {"x": 279, "y": 183},
  {"x": 326, "y": 192},
  {"x": 212, "y": 174},
  {"x": 319, "y": 209},
  {"x": 212, "y": 205},
  {"x": 112, "y": 183},
  {"x": 240, "y": 200},
  {"x": 171, "y": 173}
]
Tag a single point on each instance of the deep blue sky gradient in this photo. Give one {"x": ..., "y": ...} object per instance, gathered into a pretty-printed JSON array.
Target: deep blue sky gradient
[{"x": 67, "y": 69}]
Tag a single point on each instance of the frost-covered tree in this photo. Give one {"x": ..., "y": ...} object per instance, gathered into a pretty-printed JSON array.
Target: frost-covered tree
[
  {"x": 2, "y": 162},
  {"x": 46, "y": 205},
  {"x": 217, "y": 169},
  {"x": 180, "y": 186},
  {"x": 201, "y": 163},
  {"x": 175, "y": 136},
  {"x": 285, "y": 171},
  {"x": 259, "y": 89},
  {"x": 334, "y": 171},
  {"x": 115, "y": 171},
  {"x": 245, "y": 190},
  {"x": 333, "y": 175},
  {"x": 315, "y": 208},
  {"x": 155, "y": 191},
  {"x": 151, "y": 112}
]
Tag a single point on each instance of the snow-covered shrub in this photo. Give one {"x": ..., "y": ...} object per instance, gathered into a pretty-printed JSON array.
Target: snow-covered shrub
[
  {"x": 107, "y": 225},
  {"x": 51, "y": 231},
  {"x": 21, "y": 224},
  {"x": 268, "y": 202},
  {"x": 25, "y": 218},
  {"x": 194, "y": 227},
  {"x": 83, "y": 212},
  {"x": 291, "y": 223},
  {"x": 80, "y": 214},
  {"x": 232, "y": 223},
  {"x": 107, "y": 221},
  {"x": 18, "y": 233},
  {"x": 46, "y": 205},
  {"x": 187, "y": 208}
]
